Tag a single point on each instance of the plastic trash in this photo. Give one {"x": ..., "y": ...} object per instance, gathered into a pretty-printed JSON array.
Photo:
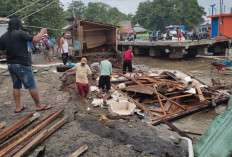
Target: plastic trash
[{"x": 71, "y": 64}]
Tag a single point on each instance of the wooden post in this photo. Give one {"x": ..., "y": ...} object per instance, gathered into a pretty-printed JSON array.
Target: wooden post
[
  {"x": 10, "y": 147},
  {"x": 41, "y": 137},
  {"x": 79, "y": 151},
  {"x": 201, "y": 97}
]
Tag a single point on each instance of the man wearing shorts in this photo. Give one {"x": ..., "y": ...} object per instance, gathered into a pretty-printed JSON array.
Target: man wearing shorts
[
  {"x": 14, "y": 44},
  {"x": 128, "y": 55},
  {"x": 82, "y": 73},
  {"x": 105, "y": 71},
  {"x": 47, "y": 49}
]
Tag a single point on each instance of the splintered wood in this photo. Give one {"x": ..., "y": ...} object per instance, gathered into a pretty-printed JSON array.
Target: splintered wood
[{"x": 166, "y": 96}]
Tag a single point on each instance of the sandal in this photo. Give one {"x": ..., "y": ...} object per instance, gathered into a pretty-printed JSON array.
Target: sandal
[
  {"x": 46, "y": 107},
  {"x": 24, "y": 107}
]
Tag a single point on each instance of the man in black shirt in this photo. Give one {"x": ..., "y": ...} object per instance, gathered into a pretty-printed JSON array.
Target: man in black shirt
[{"x": 14, "y": 44}]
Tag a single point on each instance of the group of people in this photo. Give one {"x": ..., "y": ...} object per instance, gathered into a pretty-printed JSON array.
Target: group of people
[
  {"x": 13, "y": 44},
  {"x": 83, "y": 72}
]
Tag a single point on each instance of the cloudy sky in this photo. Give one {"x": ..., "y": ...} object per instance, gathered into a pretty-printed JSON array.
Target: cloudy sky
[{"x": 130, "y": 6}]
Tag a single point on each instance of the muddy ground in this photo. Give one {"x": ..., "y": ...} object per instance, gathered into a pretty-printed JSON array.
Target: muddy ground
[{"x": 122, "y": 136}]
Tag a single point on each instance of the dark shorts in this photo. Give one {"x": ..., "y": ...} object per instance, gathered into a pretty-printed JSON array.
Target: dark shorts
[
  {"x": 82, "y": 88},
  {"x": 21, "y": 74},
  {"x": 127, "y": 64},
  {"x": 65, "y": 58},
  {"x": 104, "y": 81}
]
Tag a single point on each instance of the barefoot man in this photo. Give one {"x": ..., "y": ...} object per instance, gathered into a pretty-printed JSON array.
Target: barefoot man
[
  {"x": 82, "y": 73},
  {"x": 14, "y": 44}
]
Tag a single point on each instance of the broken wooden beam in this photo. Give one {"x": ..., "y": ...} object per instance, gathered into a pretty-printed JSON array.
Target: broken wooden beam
[
  {"x": 176, "y": 97},
  {"x": 25, "y": 137},
  {"x": 41, "y": 137},
  {"x": 175, "y": 103},
  {"x": 134, "y": 101},
  {"x": 161, "y": 104},
  {"x": 200, "y": 95},
  {"x": 79, "y": 151},
  {"x": 181, "y": 114}
]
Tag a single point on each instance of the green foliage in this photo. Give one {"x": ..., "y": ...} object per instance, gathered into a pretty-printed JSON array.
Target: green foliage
[
  {"x": 50, "y": 17},
  {"x": 158, "y": 14},
  {"x": 101, "y": 12},
  {"x": 78, "y": 7}
]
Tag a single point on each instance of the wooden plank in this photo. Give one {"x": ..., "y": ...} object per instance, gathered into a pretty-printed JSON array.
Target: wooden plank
[
  {"x": 10, "y": 147},
  {"x": 164, "y": 97},
  {"x": 79, "y": 151},
  {"x": 2, "y": 124},
  {"x": 201, "y": 97},
  {"x": 35, "y": 116},
  {"x": 167, "y": 106},
  {"x": 161, "y": 104},
  {"x": 176, "y": 97},
  {"x": 41, "y": 137},
  {"x": 14, "y": 128},
  {"x": 134, "y": 101}
]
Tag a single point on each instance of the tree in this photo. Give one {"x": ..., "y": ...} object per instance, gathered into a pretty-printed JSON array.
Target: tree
[
  {"x": 103, "y": 13},
  {"x": 158, "y": 14},
  {"x": 78, "y": 7},
  {"x": 50, "y": 17}
]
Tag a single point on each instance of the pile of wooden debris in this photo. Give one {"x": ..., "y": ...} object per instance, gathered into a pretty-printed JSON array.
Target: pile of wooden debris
[{"x": 167, "y": 95}]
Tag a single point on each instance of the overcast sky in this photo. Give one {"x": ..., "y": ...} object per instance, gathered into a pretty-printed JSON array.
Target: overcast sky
[{"x": 130, "y": 6}]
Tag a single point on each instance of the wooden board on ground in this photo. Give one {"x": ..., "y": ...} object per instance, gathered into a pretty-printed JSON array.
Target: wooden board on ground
[
  {"x": 79, "y": 151},
  {"x": 25, "y": 137},
  {"x": 17, "y": 126},
  {"x": 42, "y": 136}
]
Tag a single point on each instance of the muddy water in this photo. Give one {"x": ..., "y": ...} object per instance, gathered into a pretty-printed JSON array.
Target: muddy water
[{"x": 201, "y": 68}]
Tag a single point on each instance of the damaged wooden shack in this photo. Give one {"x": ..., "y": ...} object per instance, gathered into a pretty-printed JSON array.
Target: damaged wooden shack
[
  {"x": 89, "y": 38},
  {"x": 167, "y": 95}
]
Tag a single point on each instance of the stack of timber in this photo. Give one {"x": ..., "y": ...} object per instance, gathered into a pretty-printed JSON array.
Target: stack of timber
[
  {"x": 166, "y": 95},
  {"x": 23, "y": 136}
]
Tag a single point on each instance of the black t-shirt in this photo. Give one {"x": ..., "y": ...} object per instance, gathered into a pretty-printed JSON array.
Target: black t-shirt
[{"x": 15, "y": 44}]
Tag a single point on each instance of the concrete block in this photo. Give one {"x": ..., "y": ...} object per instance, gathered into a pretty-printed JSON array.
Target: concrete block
[
  {"x": 153, "y": 52},
  {"x": 176, "y": 53}
]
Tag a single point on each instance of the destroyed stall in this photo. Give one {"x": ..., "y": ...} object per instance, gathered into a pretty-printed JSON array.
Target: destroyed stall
[{"x": 89, "y": 38}]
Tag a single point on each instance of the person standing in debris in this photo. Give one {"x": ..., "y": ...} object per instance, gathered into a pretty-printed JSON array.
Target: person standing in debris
[
  {"x": 179, "y": 34},
  {"x": 128, "y": 56},
  {"x": 105, "y": 72},
  {"x": 82, "y": 73},
  {"x": 47, "y": 49},
  {"x": 14, "y": 44},
  {"x": 64, "y": 48}
]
